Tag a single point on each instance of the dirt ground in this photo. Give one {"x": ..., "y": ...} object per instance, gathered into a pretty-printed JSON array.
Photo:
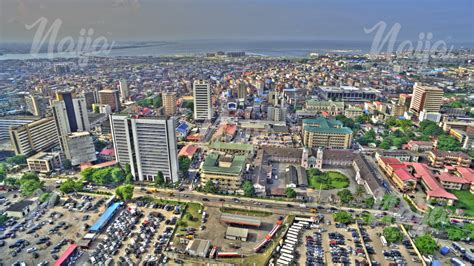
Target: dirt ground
[{"x": 215, "y": 232}]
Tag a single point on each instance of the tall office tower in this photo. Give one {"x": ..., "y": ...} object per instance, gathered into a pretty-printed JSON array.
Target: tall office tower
[
  {"x": 36, "y": 104},
  {"x": 33, "y": 137},
  {"x": 426, "y": 98},
  {"x": 123, "y": 89},
  {"x": 70, "y": 116},
  {"x": 202, "y": 100},
  {"x": 110, "y": 97},
  {"x": 147, "y": 144},
  {"x": 241, "y": 90},
  {"x": 79, "y": 148},
  {"x": 169, "y": 103},
  {"x": 91, "y": 98}
]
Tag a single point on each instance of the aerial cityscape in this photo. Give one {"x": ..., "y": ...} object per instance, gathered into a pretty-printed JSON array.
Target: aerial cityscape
[{"x": 200, "y": 133}]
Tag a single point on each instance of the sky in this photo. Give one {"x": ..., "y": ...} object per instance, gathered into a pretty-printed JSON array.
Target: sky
[{"x": 157, "y": 20}]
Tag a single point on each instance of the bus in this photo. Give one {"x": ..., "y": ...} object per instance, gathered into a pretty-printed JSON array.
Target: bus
[
  {"x": 384, "y": 241},
  {"x": 283, "y": 261},
  {"x": 287, "y": 256},
  {"x": 457, "y": 262},
  {"x": 459, "y": 248},
  {"x": 468, "y": 256}
]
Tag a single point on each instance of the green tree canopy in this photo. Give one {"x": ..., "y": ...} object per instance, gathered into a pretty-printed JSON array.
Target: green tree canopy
[
  {"x": 3, "y": 172},
  {"x": 455, "y": 233},
  {"x": 124, "y": 192},
  {"x": 343, "y": 217},
  {"x": 436, "y": 217},
  {"x": 70, "y": 185},
  {"x": 248, "y": 189},
  {"x": 448, "y": 143},
  {"x": 210, "y": 187},
  {"x": 392, "y": 234},
  {"x": 159, "y": 179},
  {"x": 184, "y": 163},
  {"x": 426, "y": 244},
  {"x": 290, "y": 193},
  {"x": 17, "y": 160},
  {"x": 345, "y": 196}
]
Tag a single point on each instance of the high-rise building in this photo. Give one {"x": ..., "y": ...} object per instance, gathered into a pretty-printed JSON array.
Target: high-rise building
[
  {"x": 123, "y": 89},
  {"x": 36, "y": 104},
  {"x": 79, "y": 148},
  {"x": 426, "y": 98},
  {"x": 147, "y": 144},
  {"x": 202, "y": 100},
  {"x": 110, "y": 97},
  {"x": 70, "y": 116},
  {"x": 33, "y": 137},
  {"x": 242, "y": 91},
  {"x": 169, "y": 103},
  {"x": 91, "y": 98}
]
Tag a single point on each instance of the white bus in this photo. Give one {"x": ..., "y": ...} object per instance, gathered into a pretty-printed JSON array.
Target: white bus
[
  {"x": 287, "y": 256},
  {"x": 282, "y": 261},
  {"x": 383, "y": 240}
]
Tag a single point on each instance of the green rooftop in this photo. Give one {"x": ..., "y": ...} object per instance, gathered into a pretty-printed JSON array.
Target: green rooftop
[
  {"x": 231, "y": 146},
  {"x": 315, "y": 102},
  {"x": 211, "y": 164},
  {"x": 323, "y": 125}
]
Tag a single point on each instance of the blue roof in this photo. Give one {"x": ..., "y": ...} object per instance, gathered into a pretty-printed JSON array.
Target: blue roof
[
  {"x": 105, "y": 217},
  {"x": 182, "y": 127}
]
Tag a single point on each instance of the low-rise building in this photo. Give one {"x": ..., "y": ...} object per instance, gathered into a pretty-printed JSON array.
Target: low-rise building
[
  {"x": 44, "y": 163},
  {"x": 21, "y": 209},
  {"x": 439, "y": 158},
  {"x": 466, "y": 138},
  {"x": 236, "y": 233},
  {"x": 198, "y": 247},
  {"x": 233, "y": 148},
  {"x": 419, "y": 146},
  {"x": 224, "y": 170}
]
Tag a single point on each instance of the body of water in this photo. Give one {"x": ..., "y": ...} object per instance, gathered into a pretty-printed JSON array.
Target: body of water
[{"x": 265, "y": 48}]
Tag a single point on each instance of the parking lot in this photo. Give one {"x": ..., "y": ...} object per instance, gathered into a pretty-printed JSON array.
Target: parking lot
[
  {"x": 43, "y": 235},
  {"x": 139, "y": 233}
]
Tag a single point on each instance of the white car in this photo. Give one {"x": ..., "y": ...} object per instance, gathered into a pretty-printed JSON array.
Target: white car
[{"x": 31, "y": 250}]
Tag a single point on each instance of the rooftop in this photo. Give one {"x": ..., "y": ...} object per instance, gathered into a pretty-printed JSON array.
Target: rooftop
[
  {"x": 231, "y": 146},
  {"x": 323, "y": 125},
  {"x": 211, "y": 165},
  {"x": 237, "y": 232}
]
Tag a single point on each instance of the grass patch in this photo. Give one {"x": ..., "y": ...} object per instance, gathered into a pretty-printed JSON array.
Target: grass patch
[
  {"x": 326, "y": 180},
  {"x": 465, "y": 201},
  {"x": 245, "y": 212}
]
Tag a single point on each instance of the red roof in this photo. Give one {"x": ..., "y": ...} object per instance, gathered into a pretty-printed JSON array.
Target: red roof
[
  {"x": 106, "y": 164},
  {"x": 421, "y": 143},
  {"x": 452, "y": 178},
  {"x": 467, "y": 173},
  {"x": 435, "y": 189},
  {"x": 390, "y": 160},
  {"x": 189, "y": 150},
  {"x": 66, "y": 255},
  {"x": 108, "y": 152},
  {"x": 404, "y": 175}
]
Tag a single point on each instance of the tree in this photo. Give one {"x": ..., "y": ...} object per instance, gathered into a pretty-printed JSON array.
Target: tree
[
  {"x": 369, "y": 202},
  {"x": 3, "y": 172},
  {"x": 210, "y": 187},
  {"x": 392, "y": 234},
  {"x": 124, "y": 192},
  {"x": 118, "y": 175},
  {"x": 367, "y": 218},
  {"x": 11, "y": 181},
  {"x": 128, "y": 169},
  {"x": 455, "y": 233},
  {"x": 248, "y": 189},
  {"x": 159, "y": 179},
  {"x": 129, "y": 179},
  {"x": 3, "y": 218},
  {"x": 157, "y": 101},
  {"x": 184, "y": 163},
  {"x": 345, "y": 196},
  {"x": 70, "y": 185},
  {"x": 87, "y": 173},
  {"x": 342, "y": 217},
  {"x": 17, "y": 160},
  {"x": 44, "y": 197},
  {"x": 426, "y": 244},
  {"x": 436, "y": 217},
  {"x": 387, "y": 220},
  {"x": 290, "y": 193},
  {"x": 389, "y": 201},
  {"x": 96, "y": 109},
  {"x": 448, "y": 143},
  {"x": 28, "y": 187}
]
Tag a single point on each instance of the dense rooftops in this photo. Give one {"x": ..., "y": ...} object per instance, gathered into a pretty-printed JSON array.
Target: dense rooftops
[{"x": 323, "y": 125}]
